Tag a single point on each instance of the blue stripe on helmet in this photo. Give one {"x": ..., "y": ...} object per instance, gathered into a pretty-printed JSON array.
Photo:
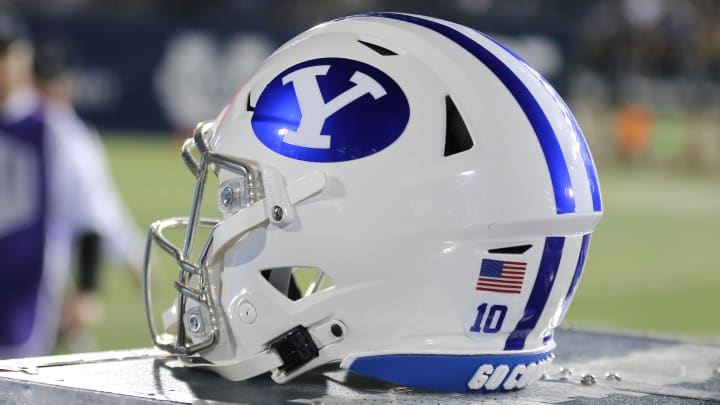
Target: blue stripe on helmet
[
  {"x": 579, "y": 136},
  {"x": 549, "y": 265},
  {"x": 576, "y": 276},
  {"x": 559, "y": 174},
  {"x": 589, "y": 166}
]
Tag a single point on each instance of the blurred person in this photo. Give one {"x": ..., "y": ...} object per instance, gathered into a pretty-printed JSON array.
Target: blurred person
[
  {"x": 103, "y": 226},
  {"x": 44, "y": 196},
  {"x": 34, "y": 246}
]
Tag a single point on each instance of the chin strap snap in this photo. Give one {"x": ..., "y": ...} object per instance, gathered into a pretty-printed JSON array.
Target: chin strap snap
[
  {"x": 287, "y": 356},
  {"x": 280, "y": 199},
  {"x": 299, "y": 346},
  {"x": 295, "y": 348}
]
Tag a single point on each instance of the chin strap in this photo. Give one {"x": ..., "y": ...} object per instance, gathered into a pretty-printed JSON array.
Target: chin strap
[
  {"x": 298, "y": 346},
  {"x": 277, "y": 207}
]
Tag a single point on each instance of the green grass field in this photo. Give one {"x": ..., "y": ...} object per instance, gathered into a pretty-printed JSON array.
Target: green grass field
[{"x": 652, "y": 265}]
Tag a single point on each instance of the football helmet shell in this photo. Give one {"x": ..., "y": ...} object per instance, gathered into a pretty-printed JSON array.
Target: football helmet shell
[{"x": 434, "y": 176}]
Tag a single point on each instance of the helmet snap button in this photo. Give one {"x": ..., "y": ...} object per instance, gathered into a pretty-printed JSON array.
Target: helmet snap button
[{"x": 246, "y": 312}]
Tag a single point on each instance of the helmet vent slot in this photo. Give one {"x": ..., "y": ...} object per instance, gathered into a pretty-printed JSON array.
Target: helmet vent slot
[
  {"x": 457, "y": 135},
  {"x": 377, "y": 48},
  {"x": 298, "y": 282},
  {"x": 511, "y": 250}
]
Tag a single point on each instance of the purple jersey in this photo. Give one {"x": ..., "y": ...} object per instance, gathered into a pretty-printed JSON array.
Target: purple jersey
[
  {"x": 23, "y": 221},
  {"x": 51, "y": 189}
]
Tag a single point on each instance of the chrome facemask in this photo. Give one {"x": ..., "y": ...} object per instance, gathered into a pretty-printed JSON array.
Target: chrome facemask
[
  {"x": 251, "y": 197},
  {"x": 246, "y": 190}
]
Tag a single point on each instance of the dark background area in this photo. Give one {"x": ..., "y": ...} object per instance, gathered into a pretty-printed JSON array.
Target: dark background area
[{"x": 133, "y": 56}]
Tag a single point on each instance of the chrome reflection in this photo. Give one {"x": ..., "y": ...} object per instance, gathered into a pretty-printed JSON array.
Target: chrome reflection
[{"x": 249, "y": 175}]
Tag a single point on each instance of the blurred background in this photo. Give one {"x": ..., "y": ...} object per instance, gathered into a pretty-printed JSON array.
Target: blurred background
[{"x": 641, "y": 76}]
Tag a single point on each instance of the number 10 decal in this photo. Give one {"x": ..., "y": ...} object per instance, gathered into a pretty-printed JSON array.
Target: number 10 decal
[{"x": 494, "y": 320}]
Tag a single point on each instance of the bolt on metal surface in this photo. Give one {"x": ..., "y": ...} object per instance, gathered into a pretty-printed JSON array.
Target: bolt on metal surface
[
  {"x": 565, "y": 373},
  {"x": 194, "y": 323},
  {"x": 612, "y": 376},
  {"x": 227, "y": 197},
  {"x": 588, "y": 379},
  {"x": 278, "y": 213}
]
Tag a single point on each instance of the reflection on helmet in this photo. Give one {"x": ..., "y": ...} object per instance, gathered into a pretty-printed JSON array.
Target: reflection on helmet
[{"x": 397, "y": 193}]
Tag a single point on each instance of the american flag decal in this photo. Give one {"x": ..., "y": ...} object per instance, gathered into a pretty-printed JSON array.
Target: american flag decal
[{"x": 501, "y": 276}]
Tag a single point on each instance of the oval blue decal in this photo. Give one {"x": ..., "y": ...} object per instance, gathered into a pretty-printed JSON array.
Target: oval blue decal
[{"x": 330, "y": 110}]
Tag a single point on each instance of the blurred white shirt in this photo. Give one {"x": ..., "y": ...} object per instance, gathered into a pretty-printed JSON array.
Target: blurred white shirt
[{"x": 95, "y": 204}]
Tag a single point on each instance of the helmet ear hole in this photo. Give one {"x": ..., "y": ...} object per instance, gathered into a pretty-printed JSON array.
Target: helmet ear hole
[
  {"x": 457, "y": 135},
  {"x": 297, "y": 282}
]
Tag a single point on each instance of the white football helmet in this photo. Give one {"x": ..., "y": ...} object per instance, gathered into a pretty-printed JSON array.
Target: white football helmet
[{"x": 399, "y": 194}]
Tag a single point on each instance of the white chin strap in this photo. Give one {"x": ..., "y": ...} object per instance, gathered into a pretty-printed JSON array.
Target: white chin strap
[{"x": 277, "y": 207}]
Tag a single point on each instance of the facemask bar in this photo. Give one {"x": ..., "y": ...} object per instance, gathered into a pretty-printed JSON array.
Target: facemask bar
[
  {"x": 202, "y": 296},
  {"x": 186, "y": 268}
]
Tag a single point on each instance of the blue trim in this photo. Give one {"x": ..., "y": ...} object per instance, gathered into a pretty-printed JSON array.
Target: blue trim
[
  {"x": 559, "y": 174},
  {"x": 579, "y": 136},
  {"x": 440, "y": 372},
  {"x": 501, "y": 45},
  {"x": 576, "y": 276},
  {"x": 589, "y": 165},
  {"x": 549, "y": 265}
]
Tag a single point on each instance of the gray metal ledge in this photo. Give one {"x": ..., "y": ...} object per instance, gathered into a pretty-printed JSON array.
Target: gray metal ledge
[{"x": 650, "y": 370}]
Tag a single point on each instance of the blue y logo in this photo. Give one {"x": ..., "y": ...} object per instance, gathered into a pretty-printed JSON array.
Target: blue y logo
[
  {"x": 366, "y": 112},
  {"x": 315, "y": 110}
]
